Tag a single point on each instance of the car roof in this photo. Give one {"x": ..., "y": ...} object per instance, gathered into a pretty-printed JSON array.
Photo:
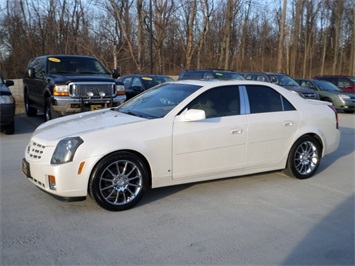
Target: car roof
[
  {"x": 65, "y": 55},
  {"x": 209, "y": 69}
]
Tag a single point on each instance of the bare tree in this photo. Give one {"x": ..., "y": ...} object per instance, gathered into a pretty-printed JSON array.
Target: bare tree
[{"x": 281, "y": 38}]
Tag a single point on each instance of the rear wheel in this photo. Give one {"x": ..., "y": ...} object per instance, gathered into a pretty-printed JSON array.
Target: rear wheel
[
  {"x": 118, "y": 181},
  {"x": 304, "y": 158},
  {"x": 30, "y": 111}
]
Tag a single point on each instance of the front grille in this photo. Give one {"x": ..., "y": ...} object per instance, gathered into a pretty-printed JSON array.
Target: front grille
[
  {"x": 309, "y": 95},
  {"x": 80, "y": 89},
  {"x": 35, "y": 150}
]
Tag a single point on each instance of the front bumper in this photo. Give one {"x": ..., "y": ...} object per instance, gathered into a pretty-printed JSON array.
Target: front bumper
[
  {"x": 68, "y": 105},
  {"x": 70, "y": 183}
]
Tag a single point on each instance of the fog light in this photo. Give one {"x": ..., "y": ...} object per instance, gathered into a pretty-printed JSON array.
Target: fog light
[
  {"x": 51, "y": 181},
  {"x": 90, "y": 94},
  {"x": 102, "y": 94}
]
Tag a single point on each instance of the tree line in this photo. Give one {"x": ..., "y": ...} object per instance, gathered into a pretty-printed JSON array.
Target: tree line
[{"x": 299, "y": 37}]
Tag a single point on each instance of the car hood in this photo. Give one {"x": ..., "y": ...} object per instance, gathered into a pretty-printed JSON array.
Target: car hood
[{"x": 81, "y": 124}]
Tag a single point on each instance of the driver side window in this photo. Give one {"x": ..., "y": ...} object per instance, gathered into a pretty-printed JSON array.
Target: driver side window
[{"x": 218, "y": 102}]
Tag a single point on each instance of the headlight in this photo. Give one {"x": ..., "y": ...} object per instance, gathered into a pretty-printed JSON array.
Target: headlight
[
  {"x": 343, "y": 96},
  {"x": 120, "y": 90},
  {"x": 65, "y": 150},
  {"x": 5, "y": 99},
  {"x": 60, "y": 90}
]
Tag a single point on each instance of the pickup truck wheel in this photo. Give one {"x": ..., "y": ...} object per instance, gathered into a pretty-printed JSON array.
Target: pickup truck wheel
[
  {"x": 30, "y": 111},
  {"x": 49, "y": 112}
]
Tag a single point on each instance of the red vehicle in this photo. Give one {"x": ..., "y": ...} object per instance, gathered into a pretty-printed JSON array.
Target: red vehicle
[{"x": 345, "y": 83}]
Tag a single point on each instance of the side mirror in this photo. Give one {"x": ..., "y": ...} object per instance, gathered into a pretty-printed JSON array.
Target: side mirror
[
  {"x": 194, "y": 115},
  {"x": 115, "y": 74},
  {"x": 9, "y": 83},
  {"x": 31, "y": 72}
]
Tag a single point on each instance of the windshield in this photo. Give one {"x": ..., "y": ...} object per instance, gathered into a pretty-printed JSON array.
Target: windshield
[
  {"x": 75, "y": 64},
  {"x": 326, "y": 86},
  {"x": 151, "y": 81},
  {"x": 353, "y": 79},
  {"x": 159, "y": 101},
  {"x": 283, "y": 80}
]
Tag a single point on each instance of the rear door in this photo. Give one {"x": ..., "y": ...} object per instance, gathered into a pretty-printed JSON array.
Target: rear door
[{"x": 273, "y": 122}]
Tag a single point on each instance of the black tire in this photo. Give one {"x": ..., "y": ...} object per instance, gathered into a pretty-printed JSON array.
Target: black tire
[
  {"x": 349, "y": 111},
  {"x": 10, "y": 129},
  {"x": 118, "y": 181},
  {"x": 49, "y": 112},
  {"x": 30, "y": 111},
  {"x": 304, "y": 158}
]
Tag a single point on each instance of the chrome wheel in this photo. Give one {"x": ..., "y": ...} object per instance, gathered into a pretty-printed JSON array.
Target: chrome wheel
[
  {"x": 120, "y": 182},
  {"x": 306, "y": 158}
]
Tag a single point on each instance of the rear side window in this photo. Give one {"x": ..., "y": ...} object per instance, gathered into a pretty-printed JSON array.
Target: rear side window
[
  {"x": 193, "y": 75},
  {"x": 263, "y": 99}
]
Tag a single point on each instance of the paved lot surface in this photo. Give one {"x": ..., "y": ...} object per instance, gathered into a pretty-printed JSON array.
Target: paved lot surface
[{"x": 265, "y": 219}]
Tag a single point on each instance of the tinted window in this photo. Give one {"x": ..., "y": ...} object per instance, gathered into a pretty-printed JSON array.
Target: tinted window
[
  {"x": 192, "y": 75},
  {"x": 264, "y": 99},
  {"x": 127, "y": 82},
  {"x": 218, "y": 102},
  {"x": 40, "y": 66},
  {"x": 343, "y": 83},
  {"x": 68, "y": 65}
]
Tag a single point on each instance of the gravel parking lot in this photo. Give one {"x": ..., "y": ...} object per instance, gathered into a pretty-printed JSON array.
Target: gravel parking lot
[{"x": 256, "y": 220}]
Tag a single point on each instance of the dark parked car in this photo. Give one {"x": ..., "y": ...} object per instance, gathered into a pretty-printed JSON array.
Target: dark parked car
[
  {"x": 346, "y": 83},
  {"x": 196, "y": 74},
  {"x": 65, "y": 84},
  {"x": 329, "y": 92},
  {"x": 8, "y": 106},
  {"x": 136, "y": 83},
  {"x": 282, "y": 80}
]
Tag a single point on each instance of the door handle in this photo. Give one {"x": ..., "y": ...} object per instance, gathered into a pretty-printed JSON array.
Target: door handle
[
  {"x": 237, "y": 131},
  {"x": 288, "y": 123}
]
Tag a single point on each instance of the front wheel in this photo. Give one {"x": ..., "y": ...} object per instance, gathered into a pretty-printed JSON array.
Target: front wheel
[
  {"x": 304, "y": 158},
  {"x": 30, "y": 111},
  {"x": 49, "y": 112},
  {"x": 118, "y": 181}
]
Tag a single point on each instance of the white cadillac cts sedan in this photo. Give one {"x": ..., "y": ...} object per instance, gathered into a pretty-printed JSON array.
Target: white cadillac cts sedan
[{"x": 180, "y": 132}]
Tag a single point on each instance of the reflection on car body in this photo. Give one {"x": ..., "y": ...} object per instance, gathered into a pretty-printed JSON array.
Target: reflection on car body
[{"x": 168, "y": 135}]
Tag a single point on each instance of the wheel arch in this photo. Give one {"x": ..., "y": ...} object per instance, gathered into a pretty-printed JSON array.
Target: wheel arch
[
  {"x": 313, "y": 135},
  {"x": 138, "y": 154}
]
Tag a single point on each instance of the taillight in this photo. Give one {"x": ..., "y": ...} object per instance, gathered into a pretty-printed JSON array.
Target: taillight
[{"x": 336, "y": 115}]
